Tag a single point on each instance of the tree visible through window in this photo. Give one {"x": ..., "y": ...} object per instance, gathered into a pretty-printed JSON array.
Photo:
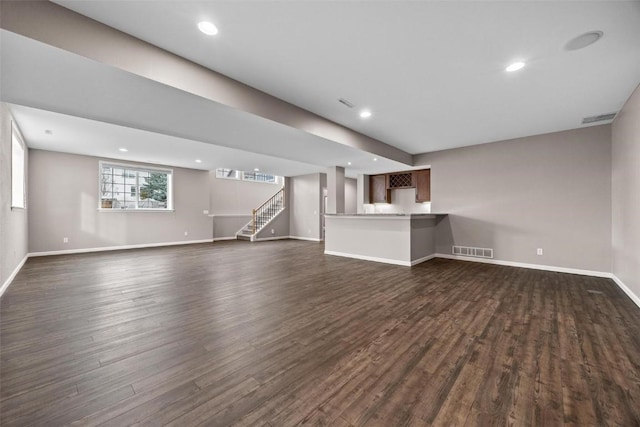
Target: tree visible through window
[{"x": 130, "y": 187}]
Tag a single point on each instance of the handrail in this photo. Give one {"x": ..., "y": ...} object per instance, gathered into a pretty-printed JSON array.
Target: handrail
[
  {"x": 258, "y": 212},
  {"x": 271, "y": 198}
]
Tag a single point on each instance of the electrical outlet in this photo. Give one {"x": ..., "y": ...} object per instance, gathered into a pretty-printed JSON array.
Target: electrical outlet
[
  {"x": 186, "y": 234},
  {"x": 65, "y": 240},
  {"x": 273, "y": 231},
  {"x": 205, "y": 212},
  {"x": 539, "y": 251}
]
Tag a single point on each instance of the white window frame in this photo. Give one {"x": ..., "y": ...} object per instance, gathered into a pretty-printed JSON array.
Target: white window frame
[
  {"x": 18, "y": 175},
  {"x": 241, "y": 177},
  {"x": 138, "y": 168},
  {"x": 232, "y": 178}
]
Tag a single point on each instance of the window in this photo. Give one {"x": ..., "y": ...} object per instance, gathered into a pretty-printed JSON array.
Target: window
[
  {"x": 228, "y": 173},
  {"x": 248, "y": 176},
  {"x": 18, "y": 196},
  {"x": 259, "y": 177},
  {"x": 135, "y": 188}
]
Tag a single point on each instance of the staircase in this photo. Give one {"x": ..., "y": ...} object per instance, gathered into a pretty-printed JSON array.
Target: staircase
[{"x": 262, "y": 216}]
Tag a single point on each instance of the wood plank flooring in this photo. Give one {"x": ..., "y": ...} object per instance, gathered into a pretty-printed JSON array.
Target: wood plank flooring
[{"x": 278, "y": 334}]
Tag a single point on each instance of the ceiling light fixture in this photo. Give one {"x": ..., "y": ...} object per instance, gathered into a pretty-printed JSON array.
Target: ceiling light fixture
[
  {"x": 584, "y": 40},
  {"x": 256, "y": 170},
  {"x": 124, "y": 150},
  {"x": 208, "y": 28},
  {"x": 375, "y": 159},
  {"x": 348, "y": 163},
  {"x": 365, "y": 114},
  {"x": 198, "y": 161},
  {"x": 515, "y": 67}
]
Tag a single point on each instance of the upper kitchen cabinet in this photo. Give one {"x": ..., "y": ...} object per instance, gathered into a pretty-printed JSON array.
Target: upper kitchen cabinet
[
  {"x": 422, "y": 179},
  {"x": 378, "y": 191}
]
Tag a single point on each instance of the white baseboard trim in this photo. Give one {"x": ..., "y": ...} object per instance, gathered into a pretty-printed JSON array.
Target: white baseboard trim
[
  {"x": 310, "y": 239},
  {"x": 369, "y": 258},
  {"x": 626, "y": 290},
  {"x": 525, "y": 265},
  {"x": 118, "y": 248},
  {"x": 266, "y": 239},
  {"x": 220, "y": 239},
  {"x": 13, "y": 275},
  {"x": 423, "y": 259},
  {"x": 383, "y": 260}
]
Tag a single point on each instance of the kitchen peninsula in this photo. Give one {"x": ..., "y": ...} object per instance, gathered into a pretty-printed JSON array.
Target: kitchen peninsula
[{"x": 401, "y": 239}]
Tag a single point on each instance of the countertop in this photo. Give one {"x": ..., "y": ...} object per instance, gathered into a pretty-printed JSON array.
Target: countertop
[{"x": 387, "y": 215}]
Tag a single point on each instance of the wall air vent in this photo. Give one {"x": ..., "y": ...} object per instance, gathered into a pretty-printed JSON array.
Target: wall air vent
[
  {"x": 345, "y": 102},
  {"x": 600, "y": 118},
  {"x": 471, "y": 251}
]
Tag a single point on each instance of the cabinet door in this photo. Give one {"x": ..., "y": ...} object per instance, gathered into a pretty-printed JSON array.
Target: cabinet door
[
  {"x": 423, "y": 185},
  {"x": 378, "y": 192}
]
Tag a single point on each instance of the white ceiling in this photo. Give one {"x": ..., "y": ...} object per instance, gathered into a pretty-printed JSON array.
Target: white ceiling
[
  {"x": 432, "y": 72},
  {"x": 94, "y": 109}
]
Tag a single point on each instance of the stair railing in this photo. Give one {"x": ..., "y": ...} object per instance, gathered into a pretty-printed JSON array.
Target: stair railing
[{"x": 267, "y": 210}]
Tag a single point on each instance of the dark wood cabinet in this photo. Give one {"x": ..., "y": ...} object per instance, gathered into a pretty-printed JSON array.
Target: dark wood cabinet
[
  {"x": 400, "y": 180},
  {"x": 378, "y": 191},
  {"x": 422, "y": 179}
]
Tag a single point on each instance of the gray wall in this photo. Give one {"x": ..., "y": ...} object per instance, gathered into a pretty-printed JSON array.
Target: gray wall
[
  {"x": 226, "y": 226},
  {"x": 63, "y": 200},
  {"x": 626, "y": 194},
  {"x": 305, "y": 202},
  {"x": 548, "y": 191},
  {"x": 233, "y": 197},
  {"x": 14, "y": 234},
  {"x": 350, "y": 195}
]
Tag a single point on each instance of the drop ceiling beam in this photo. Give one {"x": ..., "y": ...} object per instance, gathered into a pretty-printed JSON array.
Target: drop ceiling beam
[{"x": 57, "y": 26}]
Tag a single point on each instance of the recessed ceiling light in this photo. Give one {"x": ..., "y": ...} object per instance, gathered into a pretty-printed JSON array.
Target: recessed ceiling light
[
  {"x": 198, "y": 161},
  {"x": 256, "y": 170},
  {"x": 515, "y": 66},
  {"x": 48, "y": 131},
  {"x": 365, "y": 114},
  {"x": 124, "y": 150},
  {"x": 375, "y": 159},
  {"x": 208, "y": 28},
  {"x": 348, "y": 163}
]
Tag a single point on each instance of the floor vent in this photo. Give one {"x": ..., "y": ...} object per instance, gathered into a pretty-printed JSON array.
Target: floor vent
[{"x": 475, "y": 252}]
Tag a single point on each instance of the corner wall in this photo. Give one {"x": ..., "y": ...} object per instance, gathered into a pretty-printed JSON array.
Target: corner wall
[
  {"x": 350, "y": 195},
  {"x": 63, "y": 200},
  {"x": 305, "y": 206},
  {"x": 14, "y": 235},
  {"x": 625, "y": 187},
  {"x": 549, "y": 191}
]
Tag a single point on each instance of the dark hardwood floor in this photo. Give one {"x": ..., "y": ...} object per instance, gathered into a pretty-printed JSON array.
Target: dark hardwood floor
[{"x": 278, "y": 334}]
